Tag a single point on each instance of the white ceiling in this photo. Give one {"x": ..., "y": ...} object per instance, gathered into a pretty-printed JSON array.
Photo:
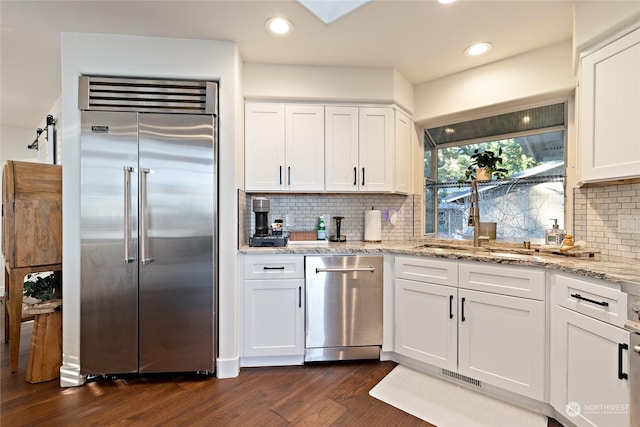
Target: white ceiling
[{"x": 422, "y": 39}]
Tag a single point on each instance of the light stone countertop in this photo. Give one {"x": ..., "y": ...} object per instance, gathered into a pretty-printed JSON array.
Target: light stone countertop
[{"x": 624, "y": 271}]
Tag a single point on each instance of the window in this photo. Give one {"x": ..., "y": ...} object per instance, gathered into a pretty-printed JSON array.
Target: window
[{"x": 525, "y": 204}]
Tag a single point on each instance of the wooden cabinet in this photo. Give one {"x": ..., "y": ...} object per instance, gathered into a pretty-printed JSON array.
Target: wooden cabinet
[
  {"x": 589, "y": 354},
  {"x": 450, "y": 316},
  {"x": 608, "y": 111},
  {"x": 284, "y": 147},
  {"x": 31, "y": 234},
  {"x": 272, "y": 310},
  {"x": 32, "y": 214}
]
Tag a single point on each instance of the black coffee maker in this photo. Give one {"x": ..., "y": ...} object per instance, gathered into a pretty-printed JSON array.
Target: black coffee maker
[
  {"x": 261, "y": 210},
  {"x": 262, "y": 236},
  {"x": 337, "y": 223}
]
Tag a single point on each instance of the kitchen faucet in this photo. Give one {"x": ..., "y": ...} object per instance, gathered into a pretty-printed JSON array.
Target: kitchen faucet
[{"x": 474, "y": 214}]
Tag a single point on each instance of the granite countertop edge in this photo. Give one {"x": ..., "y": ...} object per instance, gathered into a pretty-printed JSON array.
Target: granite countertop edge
[{"x": 623, "y": 271}]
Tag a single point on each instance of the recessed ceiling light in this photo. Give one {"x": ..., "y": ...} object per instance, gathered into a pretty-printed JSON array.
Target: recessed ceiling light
[
  {"x": 446, "y": 1},
  {"x": 478, "y": 49},
  {"x": 278, "y": 25}
]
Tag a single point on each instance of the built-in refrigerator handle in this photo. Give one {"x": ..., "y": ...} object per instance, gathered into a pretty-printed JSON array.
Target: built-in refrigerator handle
[
  {"x": 144, "y": 259},
  {"x": 128, "y": 259}
]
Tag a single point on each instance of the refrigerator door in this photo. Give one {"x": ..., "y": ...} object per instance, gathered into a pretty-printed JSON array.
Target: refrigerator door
[
  {"x": 177, "y": 183},
  {"x": 108, "y": 233}
]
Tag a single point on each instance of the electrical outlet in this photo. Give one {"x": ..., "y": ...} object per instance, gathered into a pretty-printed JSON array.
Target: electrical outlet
[{"x": 628, "y": 223}]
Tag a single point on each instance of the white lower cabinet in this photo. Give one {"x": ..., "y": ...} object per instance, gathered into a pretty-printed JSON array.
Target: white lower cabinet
[
  {"x": 273, "y": 311},
  {"x": 426, "y": 324},
  {"x": 589, "y": 357},
  {"x": 501, "y": 341},
  {"x": 497, "y": 339}
]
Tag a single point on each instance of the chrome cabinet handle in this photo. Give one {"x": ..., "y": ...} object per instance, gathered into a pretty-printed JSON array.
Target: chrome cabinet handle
[
  {"x": 600, "y": 303},
  {"x": 143, "y": 217},
  {"x": 127, "y": 215}
]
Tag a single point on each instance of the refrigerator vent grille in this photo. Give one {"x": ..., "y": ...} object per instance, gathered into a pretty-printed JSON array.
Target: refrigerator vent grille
[{"x": 147, "y": 95}]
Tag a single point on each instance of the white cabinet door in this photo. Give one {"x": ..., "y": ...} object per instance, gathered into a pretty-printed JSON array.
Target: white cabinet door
[
  {"x": 264, "y": 147},
  {"x": 376, "y": 149},
  {"x": 341, "y": 148},
  {"x": 304, "y": 147},
  {"x": 273, "y": 318},
  {"x": 587, "y": 379},
  {"x": 402, "y": 157},
  {"x": 502, "y": 341},
  {"x": 425, "y": 322},
  {"x": 609, "y": 108}
]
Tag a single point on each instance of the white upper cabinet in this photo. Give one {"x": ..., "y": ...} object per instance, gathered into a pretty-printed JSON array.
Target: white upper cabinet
[
  {"x": 304, "y": 142},
  {"x": 316, "y": 148},
  {"x": 341, "y": 145},
  {"x": 402, "y": 155},
  {"x": 609, "y": 111},
  {"x": 284, "y": 147},
  {"x": 264, "y": 147},
  {"x": 360, "y": 143},
  {"x": 375, "y": 149}
]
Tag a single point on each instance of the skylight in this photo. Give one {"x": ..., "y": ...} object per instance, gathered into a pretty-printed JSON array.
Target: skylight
[{"x": 329, "y": 11}]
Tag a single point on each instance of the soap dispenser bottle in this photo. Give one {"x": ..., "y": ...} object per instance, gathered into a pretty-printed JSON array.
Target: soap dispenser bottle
[{"x": 554, "y": 236}]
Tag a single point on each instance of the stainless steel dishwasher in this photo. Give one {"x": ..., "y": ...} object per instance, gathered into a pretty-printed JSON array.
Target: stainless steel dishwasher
[{"x": 343, "y": 307}]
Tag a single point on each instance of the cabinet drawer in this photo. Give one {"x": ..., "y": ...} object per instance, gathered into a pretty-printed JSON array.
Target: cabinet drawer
[
  {"x": 590, "y": 298},
  {"x": 273, "y": 267},
  {"x": 514, "y": 281},
  {"x": 427, "y": 270}
]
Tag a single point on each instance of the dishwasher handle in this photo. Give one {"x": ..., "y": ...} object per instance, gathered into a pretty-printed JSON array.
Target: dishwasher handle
[{"x": 345, "y": 270}]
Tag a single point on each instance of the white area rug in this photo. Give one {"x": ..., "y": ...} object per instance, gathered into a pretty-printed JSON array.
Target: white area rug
[{"x": 445, "y": 404}]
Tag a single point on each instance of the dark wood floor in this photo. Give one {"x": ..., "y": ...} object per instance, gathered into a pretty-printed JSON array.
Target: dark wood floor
[{"x": 317, "y": 395}]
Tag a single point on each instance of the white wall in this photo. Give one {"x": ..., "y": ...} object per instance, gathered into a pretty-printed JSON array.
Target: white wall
[
  {"x": 158, "y": 58},
  {"x": 324, "y": 83},
  {"x": 540, "y": 73}
]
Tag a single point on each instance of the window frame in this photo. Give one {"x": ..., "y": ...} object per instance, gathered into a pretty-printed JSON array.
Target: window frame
[{"x": 428, "y": 142}]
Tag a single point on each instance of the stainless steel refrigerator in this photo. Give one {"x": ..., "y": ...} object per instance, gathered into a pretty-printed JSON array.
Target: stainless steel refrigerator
[{"x": 148, "y": 251}]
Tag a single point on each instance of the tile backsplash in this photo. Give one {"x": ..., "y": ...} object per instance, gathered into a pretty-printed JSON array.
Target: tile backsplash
[
  {"x": 596, "y": 214},
  {"x": 303, "y": 211}
]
